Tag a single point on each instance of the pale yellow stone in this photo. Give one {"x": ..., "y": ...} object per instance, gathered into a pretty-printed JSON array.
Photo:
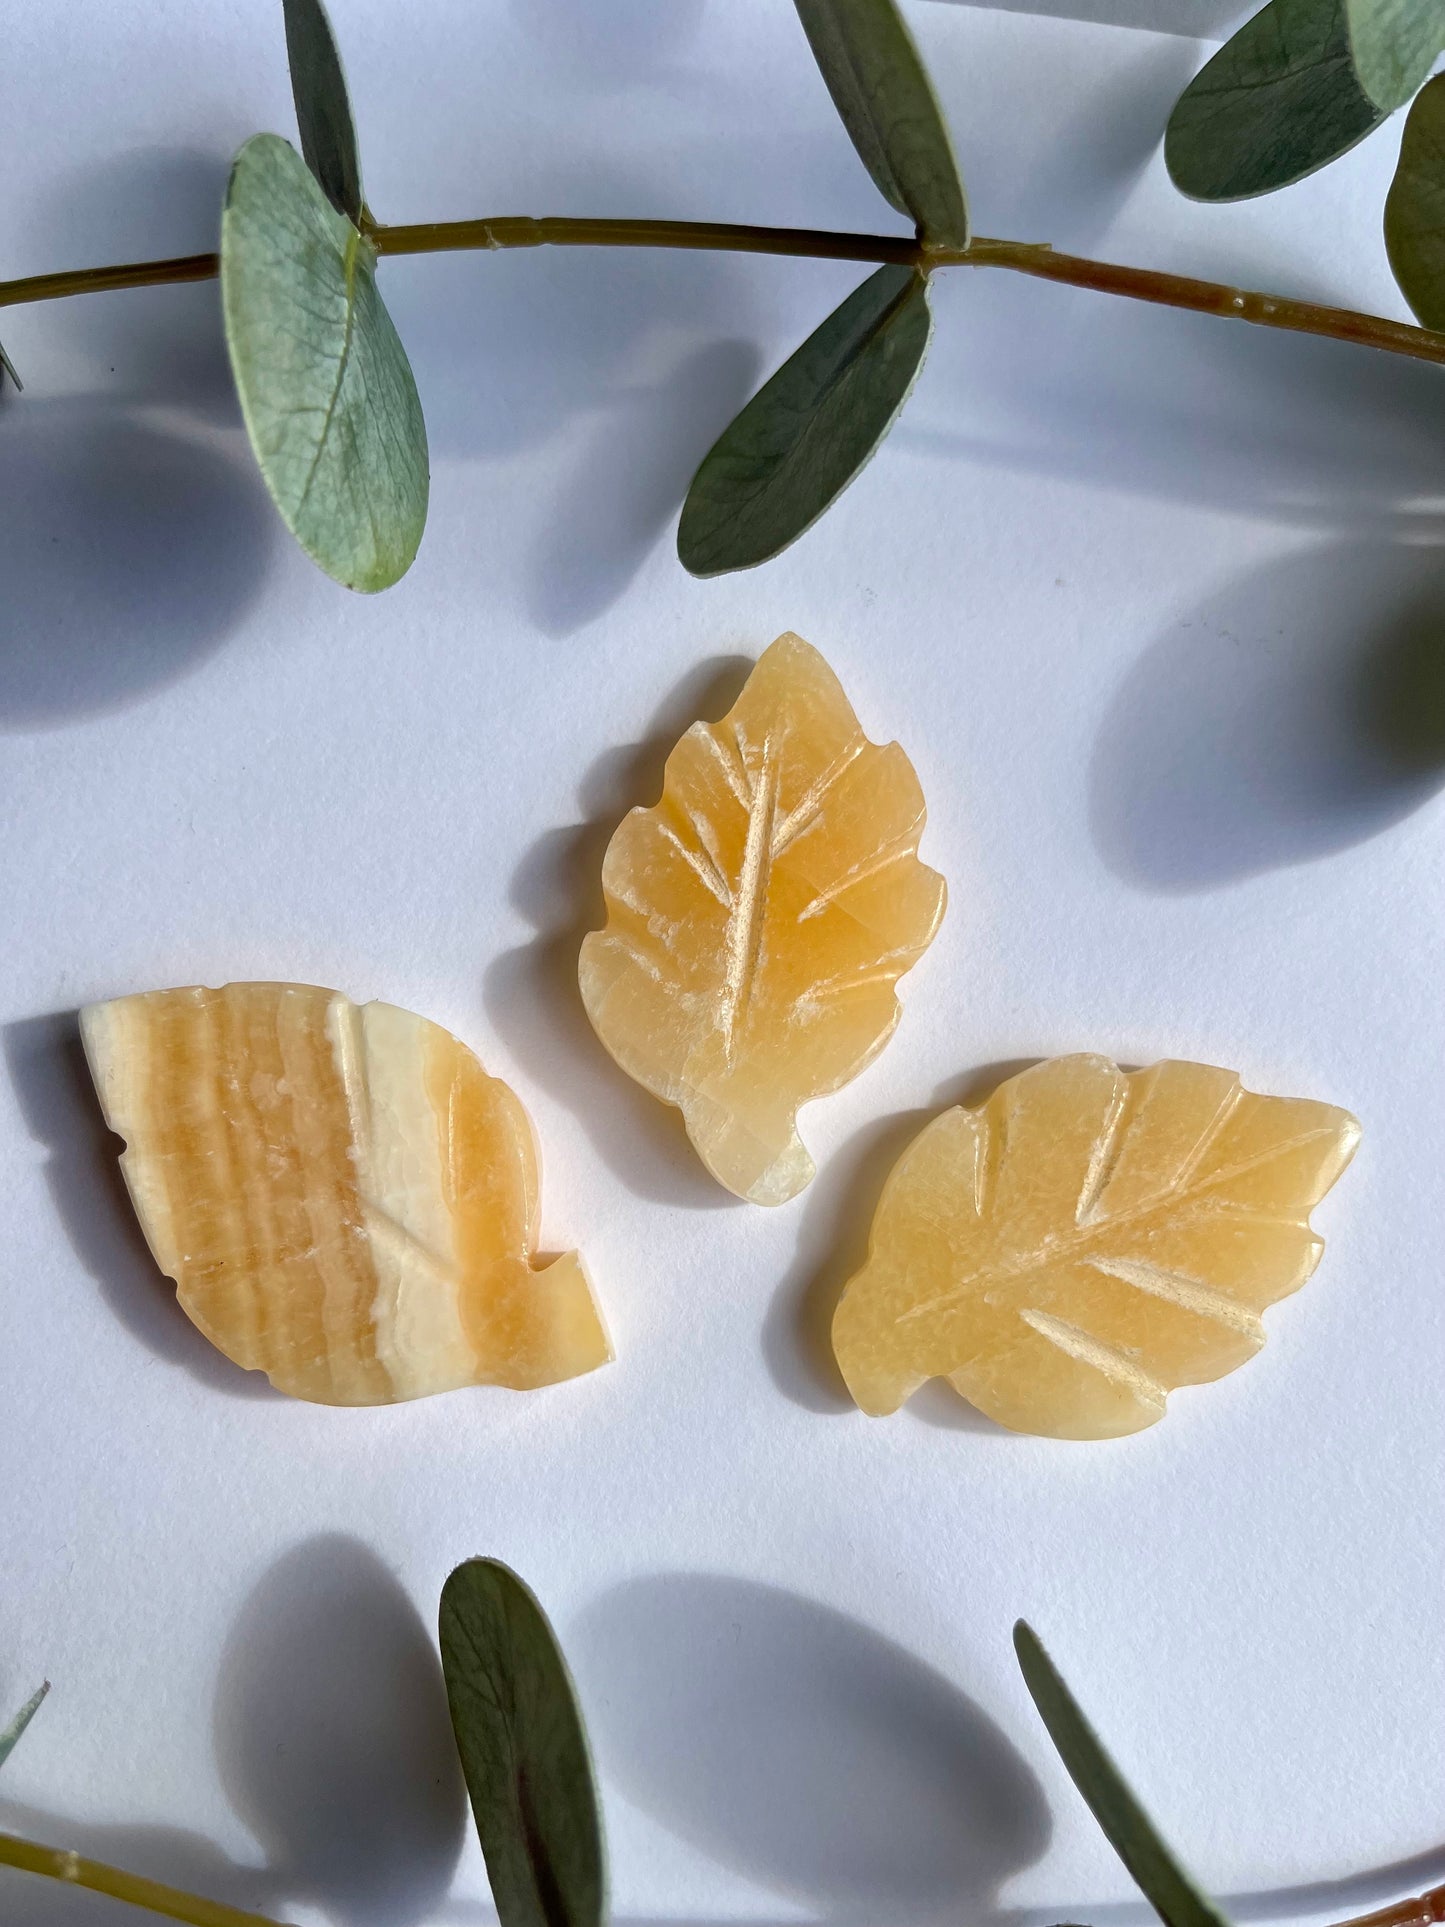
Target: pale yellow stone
[
  {"x": 759, "y": 917},
  {"x": 346, "y": 1201},
  {"x": 1087, "y": 1240}
]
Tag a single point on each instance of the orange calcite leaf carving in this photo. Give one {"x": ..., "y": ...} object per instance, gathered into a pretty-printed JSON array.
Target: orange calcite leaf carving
[
  {"x": 759, "y": 918},
  {"x": 1087, "y": 1240},
  {"x": 346, "y": 1201}
]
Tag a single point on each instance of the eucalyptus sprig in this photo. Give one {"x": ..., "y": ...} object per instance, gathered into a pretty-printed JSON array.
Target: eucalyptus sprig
[
  {"x": 327, "y": 393},
  {"x": 1301, "y": 83},
  {"x": 528, "y": 1768}
]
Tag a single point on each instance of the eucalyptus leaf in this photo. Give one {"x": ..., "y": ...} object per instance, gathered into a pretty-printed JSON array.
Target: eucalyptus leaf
[
  {"x": 1130, "y": 1831},
  {"x": 1415, "y": 207},
  {"x": 323, "y": 108},
  {"x": 7, "y": 367},
  {"x": 881, "y": 88},
  {"x": 1276, "y": 102},
  {"x": 325, "y": 386},
  {"x": 21, "y": 1720},
  {"x": 1394, "y": 44},
  {"x": 524, "y": 1751},
  {"x": 806, "y": 433}
]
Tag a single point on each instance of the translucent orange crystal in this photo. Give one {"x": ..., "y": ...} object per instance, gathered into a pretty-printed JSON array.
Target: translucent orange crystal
[
  {"x": 346, "y": 1201},
  {"x": 759, "y": 917},
  {"x": 1087, "y": 1240}
]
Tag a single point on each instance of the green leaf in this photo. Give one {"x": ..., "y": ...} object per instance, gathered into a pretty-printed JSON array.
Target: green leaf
[
  {"x": 1415, "y": 208},
  {"x": 326, "y": 389},
  {"x": 881, "y": 88},
  {"x": 1277, "y": 101},
  {"x": 1130, "y": 1831},
  {"x": 323, "y": 109},
  {"x": 21, "y": 1720},
  {"x": 7, "y": 367},
  {"x": 806, "y": 433},
  {"x": 1395, "y": 44},
  {"x": 524, "y": 1751}
]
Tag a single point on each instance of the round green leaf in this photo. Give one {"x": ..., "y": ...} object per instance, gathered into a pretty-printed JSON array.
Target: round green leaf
[
  {"x": 1415, "y": 208},
  {"x": 524, "y": 1751},
  {"x": 1130, "y": 1831},
  {"x": 881, "y": 88},
  {"x": 323, "y": 108},
  {"x": 326, "y": 389},
  {"x": 806, "y": 433},
  {"x": 1276, "y": 102},
  {"x": 1394, "y": 44}
]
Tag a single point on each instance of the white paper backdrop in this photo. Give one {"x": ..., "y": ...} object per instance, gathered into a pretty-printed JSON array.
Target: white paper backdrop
[{"x": 1153, "y": 602}]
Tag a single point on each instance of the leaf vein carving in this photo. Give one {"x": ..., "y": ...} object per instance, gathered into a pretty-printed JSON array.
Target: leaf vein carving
[
  {"x": 745, "y": 923},
  {"x": 1189, "y": 1294},
  {"x": 1088, "y": 1350}
]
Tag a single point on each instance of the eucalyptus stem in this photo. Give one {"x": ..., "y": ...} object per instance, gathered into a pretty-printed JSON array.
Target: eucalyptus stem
[
  {"x": 1021, "y": 257},
  {"x": 77, "y": 1871},
  {"x": 1422, "y": 1911}
]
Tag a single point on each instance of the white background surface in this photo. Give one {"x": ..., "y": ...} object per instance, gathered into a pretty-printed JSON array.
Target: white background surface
[{"x": 1139, "y": 593}]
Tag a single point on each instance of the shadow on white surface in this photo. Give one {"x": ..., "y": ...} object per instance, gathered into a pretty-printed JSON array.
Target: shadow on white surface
[
  {"x": 129, "y": 553},
  {"x": 136, "y": 531},
  {"x": 334, "y": 1741},
  {"x": 168, "y": 1854},
  {"x": 1300, "y": 711},
  {"x": 1201, "y": 19},
  {"x": 335, "y": 1746},
  {"x": 151, "y": 347},
  {"x": 47, "y": 1068},
  {"x": 1054, "y": 129},
  {"x": 833, "y": 1233},
  {"x": 1152, "y": 403},
  {"x": 808, "y": 1752},
  {"x": 531, "y": 993},
  {"x": 625, "y": 40},
  {"x": 631, "y": 481}
]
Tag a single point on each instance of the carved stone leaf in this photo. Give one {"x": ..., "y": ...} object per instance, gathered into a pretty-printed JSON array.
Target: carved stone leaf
[
  {"x": 346, "y": 1201},
  {"x": 1087, "y": 1240},
  {"x": 759, "y": 918}
]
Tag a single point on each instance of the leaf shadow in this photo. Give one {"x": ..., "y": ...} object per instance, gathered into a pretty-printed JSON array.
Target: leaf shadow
[
  {"x": 531, "y": 992},
  {"x": 634, "y": 474},
  {"x": 626, "y": 39},
  {"x": 333, "y": 1738},
  {"x": 1298, "y": 711},
  {"x": 129, "y": 552},
  {"x": 833, "y": 1234},
  {"x": 1155, "y": 404},
  {"x": 141, "y": 347},
  {"x": 335, "y": 1746},
  {"x": 172, "y": 1855},
  {"x": 1087, "y": 112},
  {"x": 512, "y": 347},
  {"x": 53, "y": 1089},
  {"x": 839, "y": 1770}
]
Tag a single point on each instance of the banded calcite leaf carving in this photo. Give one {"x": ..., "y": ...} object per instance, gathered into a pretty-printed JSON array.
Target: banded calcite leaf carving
[
  {"x": 1088, "y": 1239},
  {"x": 759, "y": 917},
  {"x": 346, "y": 1201}
]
